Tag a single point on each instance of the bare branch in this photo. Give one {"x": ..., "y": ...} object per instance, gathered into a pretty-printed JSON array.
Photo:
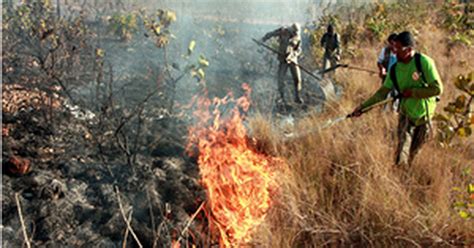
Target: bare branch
[{"x": 23, "y": 228}]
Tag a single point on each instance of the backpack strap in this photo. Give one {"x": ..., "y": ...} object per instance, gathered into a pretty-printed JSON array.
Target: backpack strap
[
  {"x": 420, "y": 71},
  {"x": 419, "y": 68},
  {"x": 393, "y": 77}
]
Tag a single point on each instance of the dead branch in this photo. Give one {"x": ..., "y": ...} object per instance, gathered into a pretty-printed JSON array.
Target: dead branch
[
  {"x": 122, "y": 211},
  {"x": 124, "y": 244},
  {"x": 190, "y": 221},
  {"x": 23, "y": 228}
]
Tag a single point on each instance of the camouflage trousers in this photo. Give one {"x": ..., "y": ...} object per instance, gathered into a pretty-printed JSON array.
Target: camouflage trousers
[
  {"x": 410, "y": 139},
  {"x": 296, "y": 75}
]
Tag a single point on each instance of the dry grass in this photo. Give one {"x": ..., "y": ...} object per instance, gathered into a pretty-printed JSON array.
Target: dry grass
[{"x": 341, "y": 187}]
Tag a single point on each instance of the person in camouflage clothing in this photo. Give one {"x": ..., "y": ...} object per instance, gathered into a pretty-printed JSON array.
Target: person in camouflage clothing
[
  {"x": 332, "y": 52},
  {"x": 288, "y": 51}
]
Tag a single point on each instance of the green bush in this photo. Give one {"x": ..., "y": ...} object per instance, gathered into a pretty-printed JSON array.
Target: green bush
[{"x": 457, "y": 119}]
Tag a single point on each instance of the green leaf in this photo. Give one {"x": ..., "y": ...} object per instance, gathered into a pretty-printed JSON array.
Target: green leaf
[
  {"x": 203, "y": 61},
  {"x": 470, "y": 188},
  {"x": 462, "y": 39},
  {"x": 201, "y": 73},
  {"x": 100, "y": 52},
  {"x": 466, "y": 171},
  {"x": 464, "y": 132},
  {"x": 464, "y": 214},
  {"x": 459, "y": 204},
  {"x": 170, "y": 16},
  {"x": 470, "y": 76},
  {"x": 157, "y": 30},
  {"x": 191, "y": 46}
]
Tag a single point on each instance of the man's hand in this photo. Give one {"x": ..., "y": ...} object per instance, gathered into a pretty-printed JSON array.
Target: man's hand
[{"x": 356, "y": 113}]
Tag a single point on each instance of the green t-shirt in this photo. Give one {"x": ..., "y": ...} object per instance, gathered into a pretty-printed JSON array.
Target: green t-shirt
[{"x": 423, "y": 93}]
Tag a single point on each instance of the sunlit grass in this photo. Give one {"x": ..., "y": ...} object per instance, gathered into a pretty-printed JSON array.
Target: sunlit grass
[{"x": 341, "y": 187}]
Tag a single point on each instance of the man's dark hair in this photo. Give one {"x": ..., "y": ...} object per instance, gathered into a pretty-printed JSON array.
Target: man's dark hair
[
  {"x": 330, "y": 28},
  {"x": 392, "y": 37},
  {"x": 406, "y": 39}
]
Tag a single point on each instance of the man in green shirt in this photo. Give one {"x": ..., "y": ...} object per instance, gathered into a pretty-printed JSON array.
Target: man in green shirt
[{"x": 417, "y": 89}]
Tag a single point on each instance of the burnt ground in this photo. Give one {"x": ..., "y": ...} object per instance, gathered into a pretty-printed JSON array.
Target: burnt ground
[{"x": 70, "y": 194}]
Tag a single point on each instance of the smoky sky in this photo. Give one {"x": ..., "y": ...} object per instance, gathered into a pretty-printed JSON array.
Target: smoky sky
[{"x": 263, "y": 11}]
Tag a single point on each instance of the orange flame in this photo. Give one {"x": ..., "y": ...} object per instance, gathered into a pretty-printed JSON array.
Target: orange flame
[{"x": 239, "y": 180}]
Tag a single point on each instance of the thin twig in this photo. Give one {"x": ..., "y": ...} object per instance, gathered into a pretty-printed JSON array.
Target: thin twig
[
  {"x": 152, "y": 218},
  {"x": 124, "y": 244},
  {"x": 25, "y": 235},
  {"x": 190, "y": 220},
  {"x": 158, "y": 231},
  {"x": 122, "y": 211}
]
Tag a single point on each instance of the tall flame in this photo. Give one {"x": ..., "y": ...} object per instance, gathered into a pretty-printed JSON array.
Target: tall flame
[{"x": 238, "y": 179}]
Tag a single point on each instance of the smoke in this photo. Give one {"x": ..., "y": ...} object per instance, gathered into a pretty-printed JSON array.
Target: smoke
[{"x": 222, "y": 31}]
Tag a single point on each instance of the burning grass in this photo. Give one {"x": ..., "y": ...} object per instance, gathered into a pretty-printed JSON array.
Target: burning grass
[{"x": 239, "y": 180}]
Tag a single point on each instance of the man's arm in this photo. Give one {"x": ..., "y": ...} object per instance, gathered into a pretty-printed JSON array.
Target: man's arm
[
  {"x": 323, "y": 40},
  {"x": 433, "y": 89},
  {"x": 379, "y": 96},
  {"x": 271, "y": 34}
]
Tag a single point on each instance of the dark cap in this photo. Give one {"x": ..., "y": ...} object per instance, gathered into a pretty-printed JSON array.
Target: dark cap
[{"x": 406, "y": 39}]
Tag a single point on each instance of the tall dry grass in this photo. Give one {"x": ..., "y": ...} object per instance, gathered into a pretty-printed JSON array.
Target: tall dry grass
[{"x": 341, "y": 187}]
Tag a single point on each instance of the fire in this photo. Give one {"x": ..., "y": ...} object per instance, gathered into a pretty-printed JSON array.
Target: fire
[{"x": 239, "y": 180}]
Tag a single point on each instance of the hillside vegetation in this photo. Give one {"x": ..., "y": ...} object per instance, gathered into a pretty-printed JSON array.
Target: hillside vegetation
[{"x": 342, "y": 187}]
